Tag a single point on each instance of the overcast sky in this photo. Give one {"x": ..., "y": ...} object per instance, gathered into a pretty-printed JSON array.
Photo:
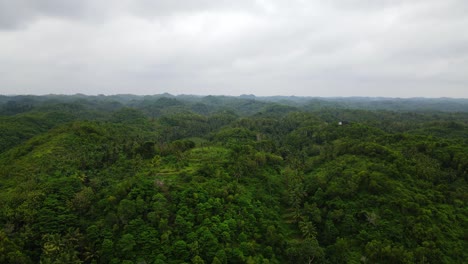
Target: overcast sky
[{"x": 392, "y": 48}]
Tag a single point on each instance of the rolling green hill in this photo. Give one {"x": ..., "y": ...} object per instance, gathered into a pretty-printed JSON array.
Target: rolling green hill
[{"x": 230, "y": 180}]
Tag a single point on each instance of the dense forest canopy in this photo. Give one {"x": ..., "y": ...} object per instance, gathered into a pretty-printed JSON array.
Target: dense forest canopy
[{"x": 219, "y": 179}]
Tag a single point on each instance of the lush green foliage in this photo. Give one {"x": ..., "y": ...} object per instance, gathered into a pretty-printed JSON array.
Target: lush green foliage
[{"x": 129, "y": 179}]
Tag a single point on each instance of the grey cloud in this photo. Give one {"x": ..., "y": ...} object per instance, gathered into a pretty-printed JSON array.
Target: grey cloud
[
  {"x": 19, "y": 13},
  {"x": 168, "y": 7},
  {"x": 326, "y": 48}
]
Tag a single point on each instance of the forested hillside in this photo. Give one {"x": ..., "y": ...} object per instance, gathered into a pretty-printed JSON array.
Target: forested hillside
[{"x": 216, "y": 179}]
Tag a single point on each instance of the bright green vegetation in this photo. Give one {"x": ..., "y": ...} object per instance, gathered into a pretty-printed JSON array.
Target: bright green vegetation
[{"x": 161, "y": 179}]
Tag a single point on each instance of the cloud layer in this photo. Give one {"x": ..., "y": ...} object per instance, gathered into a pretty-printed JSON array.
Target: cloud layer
[{"x": 314, "y": 48}]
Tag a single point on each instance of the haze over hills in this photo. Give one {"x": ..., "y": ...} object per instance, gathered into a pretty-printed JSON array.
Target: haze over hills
[{"x": 375, "y": 103}]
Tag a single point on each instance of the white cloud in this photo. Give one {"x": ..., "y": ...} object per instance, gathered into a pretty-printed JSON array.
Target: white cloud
[{"x": 324, "y": 48}]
